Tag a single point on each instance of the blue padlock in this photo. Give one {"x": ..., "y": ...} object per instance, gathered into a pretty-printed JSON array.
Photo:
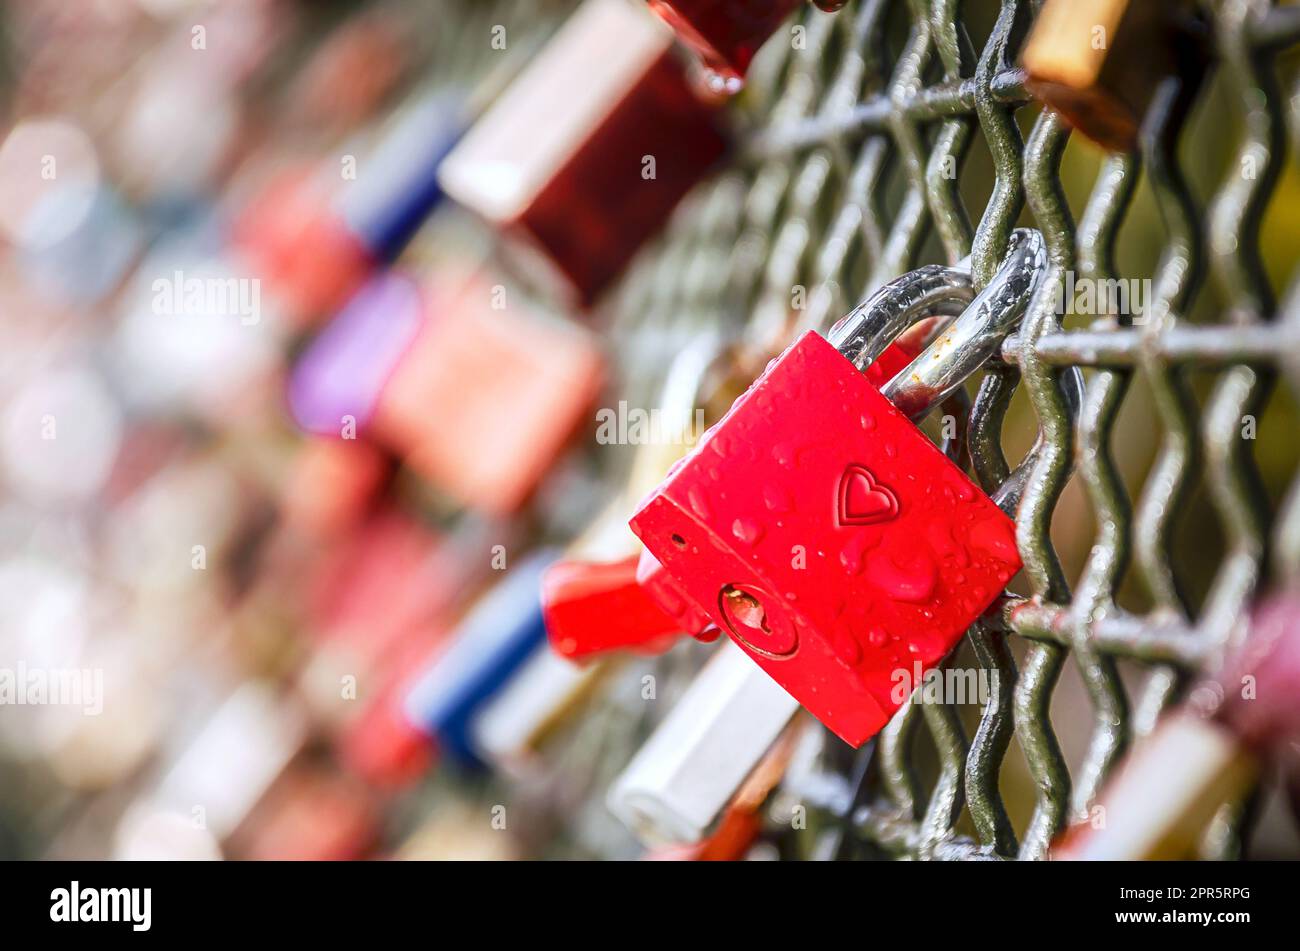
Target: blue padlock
[
  {"x": 397, "y": 186},
  {"x": 489, "y": 647}
]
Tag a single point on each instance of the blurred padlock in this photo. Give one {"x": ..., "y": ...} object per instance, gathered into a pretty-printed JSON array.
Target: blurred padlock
[
  {"x": 711, "y": 740},
  {"x": 310, "y": 815},
  {"x": 1205, "y": 754},
  {"x": 1098, "y": 62},
  {"x": 725, "y": 33},
  {"x": 741, "y": 822},
  {"x": 337, "y": 382},
  {"x": 588, "y": 183},
  {"x": 824, "y": 532},
  {"x": 316, "y": 232},
  {"x": 332, "y": 485},
  {"x": 232, "y": 761},
  {"x": 489, "y": 646},
  {"x": 382, "y": 746},
  {"x": 488, "y": 393},
  {"x": 289, "y": 235},
  {"x": 548, "y": 690}
]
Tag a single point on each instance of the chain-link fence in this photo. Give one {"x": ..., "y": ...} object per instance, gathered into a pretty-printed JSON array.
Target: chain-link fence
[{"x": 892, "y": 135}]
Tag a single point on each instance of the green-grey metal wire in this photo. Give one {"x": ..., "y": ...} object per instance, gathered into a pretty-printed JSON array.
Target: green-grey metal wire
[{"x": 810, "y": 202}]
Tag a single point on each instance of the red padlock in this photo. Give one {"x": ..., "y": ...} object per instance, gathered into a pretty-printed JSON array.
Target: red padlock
[
  {"x": 596, "y": 606},
  {"x": 660, "y": 587},
  {"x": 604, "y": 607},
  {"x": 588, "y": 183},
  {"x": 822, "y": 530},
  {"x": 725, "y": 33}
]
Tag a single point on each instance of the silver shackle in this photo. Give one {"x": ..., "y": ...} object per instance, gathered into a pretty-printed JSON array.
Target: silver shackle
[{"x": 973, "y": 329}]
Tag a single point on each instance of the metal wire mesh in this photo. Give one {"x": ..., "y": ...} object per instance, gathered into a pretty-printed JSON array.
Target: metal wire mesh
[{"x": 852, "y": 173}]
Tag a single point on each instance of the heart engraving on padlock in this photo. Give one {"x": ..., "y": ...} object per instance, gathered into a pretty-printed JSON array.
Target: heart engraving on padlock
[{"x": 863, "y": 500}]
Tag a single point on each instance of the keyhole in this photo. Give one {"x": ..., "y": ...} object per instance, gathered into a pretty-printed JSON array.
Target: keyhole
[{"x": 745, "y": 609}]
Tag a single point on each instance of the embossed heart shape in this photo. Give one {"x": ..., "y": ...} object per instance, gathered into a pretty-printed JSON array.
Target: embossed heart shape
[{"x": 863, "y": 500}]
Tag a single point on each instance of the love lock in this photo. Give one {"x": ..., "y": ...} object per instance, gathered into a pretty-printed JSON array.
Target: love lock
[
  {"x": 593, "y": 607},
  {"x": 824, "y": 532}
]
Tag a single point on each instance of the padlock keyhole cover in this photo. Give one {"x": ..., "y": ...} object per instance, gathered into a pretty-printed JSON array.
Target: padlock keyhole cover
[{"x": 770, "y": 633}]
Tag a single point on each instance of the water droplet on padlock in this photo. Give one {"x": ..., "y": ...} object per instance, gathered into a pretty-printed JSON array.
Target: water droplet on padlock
[
  {"x": 747, "y": 530},
  {"x": 867, "y": 421},
  {"x": 699, "y": 505},
  {"x": 907, "y": 577},
  {"x": 785, "y": 454},
  {"x": 776, "y": 498},
  {"x": 851, "y": 554},
  {"x": 892, "y": 452},
  {"x": 877, "y": 637},
  {"x": 847, "y": 647},
  {"x": 994, "y": 536}
]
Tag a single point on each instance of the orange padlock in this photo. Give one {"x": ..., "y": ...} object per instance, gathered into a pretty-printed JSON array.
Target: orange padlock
[{"x": 488, "y": 394}]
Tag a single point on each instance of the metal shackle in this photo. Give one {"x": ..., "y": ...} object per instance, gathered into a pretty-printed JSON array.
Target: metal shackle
[
  {"x": 976, "y": 324},
  {"x": 971, "y": 336}
]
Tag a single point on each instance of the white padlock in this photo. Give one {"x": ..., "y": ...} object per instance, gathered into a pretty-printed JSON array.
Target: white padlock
[
  {"x": 692, "y": 765},
  {"x": 516, "y": 723}
]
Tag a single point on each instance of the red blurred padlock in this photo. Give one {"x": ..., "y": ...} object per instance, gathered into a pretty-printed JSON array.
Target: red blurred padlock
[
  {"x": 725, "y": 33},
  {"x": 588, "y": 183},
  {"x": 290, "y": 234},
  {"x": 595, "y": 607},
  {"x": 604, "y": 595},
  {"x": 822, "y": 530},
  {"x": 310, "y": 815},
  {"x": 488, "y": 394}
]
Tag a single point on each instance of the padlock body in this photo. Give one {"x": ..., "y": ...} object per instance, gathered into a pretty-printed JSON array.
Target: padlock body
[
  {"x": 664, "y": 589},
  {"x": 725, "y": 33},
  {"x": 594, "y": 607},
  {"x": 661, "y": 587},
  {"x": 486, "y": 397},
  {"x": 578, "y": 190},
  {"x": 830, "y": 539}
]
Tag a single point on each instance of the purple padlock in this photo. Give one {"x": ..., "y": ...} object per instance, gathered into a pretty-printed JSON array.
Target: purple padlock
[{"x": 338, "y": 379}]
